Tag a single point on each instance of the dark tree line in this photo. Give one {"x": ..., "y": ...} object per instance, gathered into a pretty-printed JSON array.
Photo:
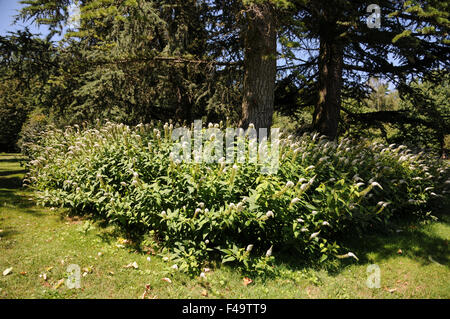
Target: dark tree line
[{"x": 140, "y": 60}]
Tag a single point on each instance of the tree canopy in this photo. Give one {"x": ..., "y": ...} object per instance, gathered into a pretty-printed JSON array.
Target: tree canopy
[{"x": 136, "y": 61}]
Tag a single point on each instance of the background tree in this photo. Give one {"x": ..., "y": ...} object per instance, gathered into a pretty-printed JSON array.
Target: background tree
[
  {"x": 136, "y": 61},
  {"x": 133, "y": 61},
  {"x": 26, "y": 63},
  {"x": 205, "y": 56},
  {"x": 260, "y": 65},
  {"x": 335, "y": 52}
]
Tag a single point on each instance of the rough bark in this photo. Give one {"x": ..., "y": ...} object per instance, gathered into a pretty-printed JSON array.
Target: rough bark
[
  {"x": 260, "y": 66},
  {"x": 326, "y": 112}
]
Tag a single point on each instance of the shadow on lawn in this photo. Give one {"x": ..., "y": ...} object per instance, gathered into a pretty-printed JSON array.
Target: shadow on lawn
[
  {"x": 10, "y": 198},
  {"x": 10, "y": 187},
  {"x": 8, "y": 233},
  {"x": 109, "y": 233},
  {"x": 8, "y": 177},
  {"x": 15, "y": 172},
  {"x": 413, "y": 241},
  {"x": 10, "y": 160},
  {"x": 14, "y": 182}
]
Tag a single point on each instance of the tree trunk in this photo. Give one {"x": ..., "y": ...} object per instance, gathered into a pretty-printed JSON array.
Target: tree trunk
[
  {"x": 260, "y": 66},
  {"x": 327, "y": 111}
]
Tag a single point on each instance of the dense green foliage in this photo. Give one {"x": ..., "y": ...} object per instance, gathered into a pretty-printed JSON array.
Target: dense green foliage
[
  {"x": 13, "y": 111},
  {"x": 420, "y": 120},
  {"x": 78, "y": 240},
  {"x": 332, "y": 54},
  {"x": 199, "y": 211},
  {"x": 26, "y": 62},
  {"x": 136, "y": 61}
]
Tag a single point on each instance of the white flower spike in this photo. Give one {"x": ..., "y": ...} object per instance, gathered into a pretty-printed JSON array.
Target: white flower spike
[
  {"x": 348, "y": 255},
  {"x": 270, "y": 214},
  {"x": 269, "y": 252},
  {"x": 314, "y": 235}
]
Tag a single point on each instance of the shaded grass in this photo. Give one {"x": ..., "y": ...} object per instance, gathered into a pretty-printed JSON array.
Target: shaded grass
[{"x": 35, "y": 240}]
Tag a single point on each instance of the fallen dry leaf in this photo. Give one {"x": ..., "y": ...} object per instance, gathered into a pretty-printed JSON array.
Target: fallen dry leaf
[
  {"x": 23, "y": 273},
  {"x": 59, "y": 283},
  {"x": 123, "y": 241},
  {"x": 204, "y": 293},
  {"x": 167, "y": 280},
  {"x": 150, "y": 251},
  {"x": 247, "y": 281},
  {"x": 7, "y": 271},
  {"x": 147, "y": 288},
  {"x": 132, "y": 265},
  {"x": 88, "y": 269},
  {"x": 391, "y": 290}
]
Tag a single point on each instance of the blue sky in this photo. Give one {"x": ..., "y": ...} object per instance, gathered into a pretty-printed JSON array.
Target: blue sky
[{"x": 9, "y": 8}]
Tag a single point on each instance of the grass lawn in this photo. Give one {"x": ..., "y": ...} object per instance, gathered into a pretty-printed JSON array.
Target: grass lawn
[{"x": 413, "y": 262}]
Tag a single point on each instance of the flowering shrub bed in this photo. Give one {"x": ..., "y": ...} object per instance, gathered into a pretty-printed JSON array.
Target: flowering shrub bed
[{"x": 203, "y": 211}]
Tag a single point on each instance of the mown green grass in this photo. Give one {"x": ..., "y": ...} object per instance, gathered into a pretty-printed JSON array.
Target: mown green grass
[{"x": 36, "y": 240}]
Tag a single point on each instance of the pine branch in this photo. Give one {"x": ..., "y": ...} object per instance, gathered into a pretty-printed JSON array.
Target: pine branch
[
  {"x": 399, "y": 117},
  {"x": 167, "y": 59}
]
